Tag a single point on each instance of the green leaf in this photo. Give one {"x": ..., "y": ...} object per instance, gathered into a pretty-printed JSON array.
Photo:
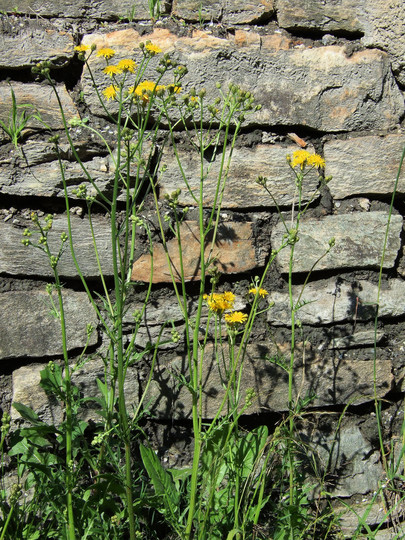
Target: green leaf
[
  {"x": 28, "y": 414},
  {"x": 161, "y": 480}
]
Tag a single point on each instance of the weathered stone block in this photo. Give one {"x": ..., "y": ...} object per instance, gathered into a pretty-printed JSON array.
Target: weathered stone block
[
  {"x": 321, "y": 88},
  {"x": 337, "y": 300},
  {"x": 359, "y": 239},
  {"x": 45, "y": 179},
  {"x": 44, "y": 101},
  {"x": 234, "y": 249},
  {"x": 354, "y": 172},
  {"x": 331, "y": 384},
  {"x": 25, "y": 42},
  {"x": 29, "y": 329},
  {"x": 381, "y": 23},
  {"x": 241, "y": 189},
  {"x": 228, "y": 12},
  {"x": 17, "y": 260},
  {"x": 94, "y": 9},
  {"x": 317, "y": 14},
  {"x": 28, "y": 391}
]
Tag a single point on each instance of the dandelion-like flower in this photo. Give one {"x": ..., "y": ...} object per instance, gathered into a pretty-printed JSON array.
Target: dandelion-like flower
[
  {"x": 127, "y": 65},
  {"x": 219, "y": 302},
  {"x": 110, "y": 92},
  {"x": 317, "y": 161},
  {"x": 235, "y": 318},
  {"x": 152, "y": 49},
  {"x": 144, "y": 88},
  {"x": 302, "y": 158},
  {"x": 261, "y": 292},
  {"x": 82, "y": 48},
  {"x": 112, "y": 70},
  {"x": 106, "y": 52}
]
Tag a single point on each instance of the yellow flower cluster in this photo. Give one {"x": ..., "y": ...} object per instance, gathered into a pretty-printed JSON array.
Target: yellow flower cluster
[
  {"x": 82, "y": 48},
  {"x": 256, "y": 290},
  {"x": 302, "y": 158},
  {"x": 219, "y": 302},
  {"x": 106, "y": 53}
]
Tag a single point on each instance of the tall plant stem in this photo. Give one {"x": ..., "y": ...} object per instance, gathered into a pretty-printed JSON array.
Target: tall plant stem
[
  {"x": 68, "y": 411},
  {"x": 119, "y": 286}
]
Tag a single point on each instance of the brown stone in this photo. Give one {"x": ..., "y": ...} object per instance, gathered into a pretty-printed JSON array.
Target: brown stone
[{"x": 234, "y": 248}]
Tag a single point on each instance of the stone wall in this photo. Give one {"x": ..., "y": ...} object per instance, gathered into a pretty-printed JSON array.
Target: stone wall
[{"x": 329, "y": 76}]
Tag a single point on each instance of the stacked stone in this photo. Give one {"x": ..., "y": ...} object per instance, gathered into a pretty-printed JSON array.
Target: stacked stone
[{"x": 329, "y": 73}]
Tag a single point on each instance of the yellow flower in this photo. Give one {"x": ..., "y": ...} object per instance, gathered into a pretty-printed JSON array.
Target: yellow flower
[
  {"x": 82, "y": 48},
  {"x": 110, "y": 92},
  {"x": 127, "y": 65},
  {"x": 315, "y": 160},
  {"x": 106, "y": 52},
  {"x": 235, "y": 318},
  {"x": 112, "y": 70},
  {"x": 144, "y": 88},
  {"x": 219, "y": 302},
  {"x": 151, "y": 48},
  {"x": 300, "y": 158},
  {"x": 261, "y": 292},
  {"x": 303, "y": 157}
]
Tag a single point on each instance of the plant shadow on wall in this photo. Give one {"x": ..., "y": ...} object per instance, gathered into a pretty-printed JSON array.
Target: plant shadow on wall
[{"x": 104, "y": 479}]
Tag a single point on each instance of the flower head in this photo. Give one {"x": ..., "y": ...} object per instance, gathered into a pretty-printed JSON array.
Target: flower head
[
  {"x": 82, "y": 48},
  {"x": 152, "y": 49},
  {"x": 302, "y": 158},
  {"x": 110, "y": 92},
  {"x": 127, "y": 65},
  {"x": 261, "y": 292},
  {"x": 112, "y": 70},
  {"x": 219, "y": 302},
  {"x": 235, "y": 318},
  {"x": 145, "y": 88},
  {"x": 106, "y": 53}
]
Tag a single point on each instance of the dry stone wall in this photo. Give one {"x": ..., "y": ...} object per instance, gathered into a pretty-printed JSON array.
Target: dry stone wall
[{"x": 329, "y": 75}]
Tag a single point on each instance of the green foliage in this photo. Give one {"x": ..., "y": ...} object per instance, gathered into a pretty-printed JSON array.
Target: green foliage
[{"x": 19, "y": 117}]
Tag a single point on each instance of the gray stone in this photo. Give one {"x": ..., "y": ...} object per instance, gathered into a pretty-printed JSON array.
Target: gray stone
[
  {"x": 354, "y": 465},
  {"x": 241, "y": 189},
  {"x": 17, "y": 260},
  {"x": 359, "y": 239},
  {"x": 29, "y": 329},
  {"x": 45, "y": 179},
  {"x": 331, "y": 384},
  {"x": 28, "y": 391},
  {"x": 365, "y": 337},
  {"x": 43, "y": 100},
  {"x": 321, "y": 88},
  {"x": 354, "y": 172},
  {"x": 227, "y": 11},
  {"x": 381, "y": 23},
  {"x": 321, "y": 15},
  {"x": 25, "y": 42},
  {"x": 337, "y": 300},
  {"x": 94, "y": 9}
]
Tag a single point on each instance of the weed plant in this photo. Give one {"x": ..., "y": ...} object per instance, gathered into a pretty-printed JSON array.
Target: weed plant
[{"x": 104, "y": 479}]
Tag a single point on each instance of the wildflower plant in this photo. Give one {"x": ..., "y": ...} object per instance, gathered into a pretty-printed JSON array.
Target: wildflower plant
[{"x": 222, "y": 493}]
